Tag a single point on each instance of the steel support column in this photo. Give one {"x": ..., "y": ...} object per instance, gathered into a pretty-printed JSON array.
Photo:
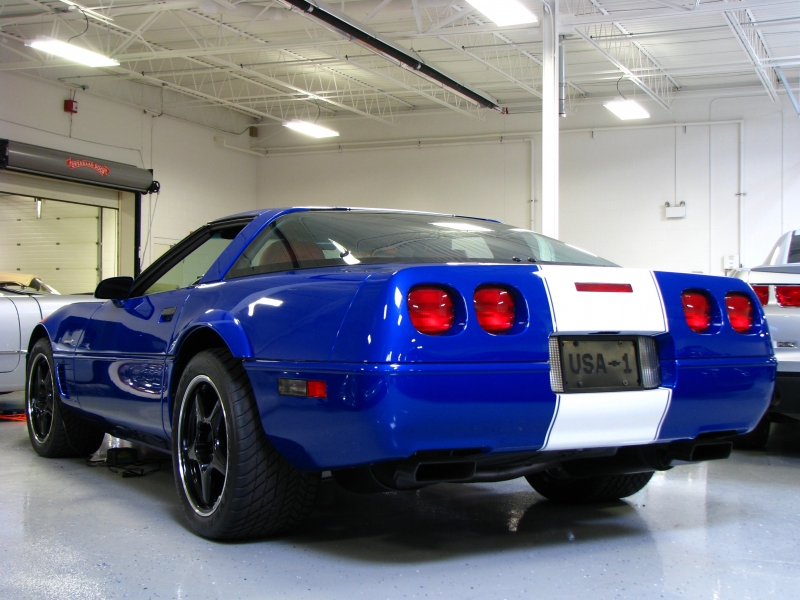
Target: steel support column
[{"x": 550, "y": 70}]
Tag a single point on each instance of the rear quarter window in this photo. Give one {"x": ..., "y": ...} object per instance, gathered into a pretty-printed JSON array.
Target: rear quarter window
[{"x": 794, "y": 250}]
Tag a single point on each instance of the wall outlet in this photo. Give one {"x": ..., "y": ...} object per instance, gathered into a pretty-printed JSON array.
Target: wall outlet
[{"x": 730, "y": 261}]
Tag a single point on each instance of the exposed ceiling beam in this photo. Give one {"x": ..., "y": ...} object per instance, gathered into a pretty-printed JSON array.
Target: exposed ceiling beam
[
  {"x": 383, "y": 112},
  {"x": 358, "y": 33},
  {"x": 629, "y": 56},
  {"x": 376, "y": 10},
  {"x": 752, "y": 42},
  {"x": 568, "y": 22},
  {"x": 525, "y": 85},
  {"x": 672, "y": 5},
  {"x": 408, "y": 81},
  {"x": 640, "y": 81},
  {"x": 137, "y": 33},
  {"x": 457, "y": 14}
]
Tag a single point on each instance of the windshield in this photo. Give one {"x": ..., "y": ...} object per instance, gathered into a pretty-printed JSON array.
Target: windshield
[{"x": 331, "y": 238}]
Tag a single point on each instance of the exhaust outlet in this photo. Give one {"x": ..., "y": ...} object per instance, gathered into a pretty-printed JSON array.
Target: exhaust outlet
[{"x": 692, "y": 452}]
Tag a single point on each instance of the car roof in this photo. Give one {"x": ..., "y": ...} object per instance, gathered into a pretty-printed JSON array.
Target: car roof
[
  {"x": 259, "y": 212},
  {"x": 21, "y": 278}
]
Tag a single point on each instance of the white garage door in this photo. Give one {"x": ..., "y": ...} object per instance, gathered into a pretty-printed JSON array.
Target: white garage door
[{"x": 59, "y": 242}]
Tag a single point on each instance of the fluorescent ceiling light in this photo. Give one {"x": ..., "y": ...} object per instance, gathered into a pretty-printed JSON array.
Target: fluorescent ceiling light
[
  {"x": 345, "y": 254},
  {"x": 505, "y": 12},
  {"x": 461, "y": 226},
  {"x": 87, "y": 11},
  {"x": 311, "y": 129},
  {"x": 73, "y": 53},
  {"x": 627, "y": 109}
]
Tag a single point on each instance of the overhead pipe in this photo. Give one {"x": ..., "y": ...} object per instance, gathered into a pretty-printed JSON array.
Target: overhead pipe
[
  {"x": 356, "y": 32},
  {"x": 562, "y": 79},
  {"x": 785, "y": 83}
]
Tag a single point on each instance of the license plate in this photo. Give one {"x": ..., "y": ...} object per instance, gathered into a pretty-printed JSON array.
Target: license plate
[{"x": 592, "y": 365}]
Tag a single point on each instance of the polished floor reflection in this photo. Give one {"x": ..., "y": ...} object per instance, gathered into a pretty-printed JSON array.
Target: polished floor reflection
[{"x": 728, "y": 529}]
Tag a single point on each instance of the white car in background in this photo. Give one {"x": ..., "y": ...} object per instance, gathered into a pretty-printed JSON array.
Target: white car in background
[
  {"x": 777, "y": 285},
  {"x": 24, "y": 301}
]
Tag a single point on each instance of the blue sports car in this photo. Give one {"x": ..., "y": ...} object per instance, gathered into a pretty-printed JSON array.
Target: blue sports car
[{"x": 396, "y": 350}]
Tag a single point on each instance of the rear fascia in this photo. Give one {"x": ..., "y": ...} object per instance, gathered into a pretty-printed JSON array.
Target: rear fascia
[
  {"x": 377, "y": 328},
  {"x": 471, "y": 389},
  {"x": 721, "y": 341},
  {"x": 375, "y": 413}
]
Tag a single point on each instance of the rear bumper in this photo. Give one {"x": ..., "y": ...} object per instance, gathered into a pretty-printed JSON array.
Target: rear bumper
[{"x": 382, "y": 412}]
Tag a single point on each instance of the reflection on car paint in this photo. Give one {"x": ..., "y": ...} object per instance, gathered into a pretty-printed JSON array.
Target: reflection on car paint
[
  {"x": 262, "y": 302},
  {"x": 142, "y": 379}
]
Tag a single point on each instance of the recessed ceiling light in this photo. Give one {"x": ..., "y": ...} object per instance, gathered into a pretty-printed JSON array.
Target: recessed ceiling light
[
  {"x": 505, "y": 12},
  {"x": 70, "y": 52},
  {"x": 627, "y": 109},
  {"x": 311, "y": 129}
]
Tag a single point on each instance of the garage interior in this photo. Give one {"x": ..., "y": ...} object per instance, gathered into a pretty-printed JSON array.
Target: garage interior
[{"x": 435, "y": 107}]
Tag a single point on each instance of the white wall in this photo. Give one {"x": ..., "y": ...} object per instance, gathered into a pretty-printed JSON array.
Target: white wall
[
  {"x": 200, "y": 181},
  {"x": 613, "y": 184},
  {"x": 479, "y": 180}
]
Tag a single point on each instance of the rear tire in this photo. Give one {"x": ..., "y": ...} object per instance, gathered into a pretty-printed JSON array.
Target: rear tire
[
  {"x": 55, "y": 431},
  {"x": 232, "y": 482},
  {"x": 557, "y": 486},
  {"x": 756, "y": 439}
]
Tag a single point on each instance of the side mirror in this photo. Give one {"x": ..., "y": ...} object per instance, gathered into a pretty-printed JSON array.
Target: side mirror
[{"x": 114, "y": 288}]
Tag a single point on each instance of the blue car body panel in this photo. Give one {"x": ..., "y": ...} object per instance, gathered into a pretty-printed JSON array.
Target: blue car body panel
[{"x": 391, "y": 391}]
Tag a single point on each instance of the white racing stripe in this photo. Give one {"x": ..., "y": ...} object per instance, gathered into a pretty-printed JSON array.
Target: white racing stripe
[
  {"x": 641, "y": 311},
  {"x": 607, "y": 419}
]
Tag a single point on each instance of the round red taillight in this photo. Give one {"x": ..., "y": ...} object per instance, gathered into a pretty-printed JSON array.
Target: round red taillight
[
  {"x": 762, "y": 291},
  {"x": 740, "y": 312},
  {"x": 495, "y": 308},
  {"x": 697, "y": 310},
  {"x": 431, "y": 309}
]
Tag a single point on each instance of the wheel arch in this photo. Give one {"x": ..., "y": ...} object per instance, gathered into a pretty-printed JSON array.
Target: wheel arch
[
  {"x": 37, "y": 334},
  {"x": 203, "y": 336}
]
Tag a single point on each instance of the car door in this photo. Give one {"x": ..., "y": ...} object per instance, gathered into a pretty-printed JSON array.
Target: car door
[
  {"x": 9, "y": 336},
  {"x": 120, "y": 359}
]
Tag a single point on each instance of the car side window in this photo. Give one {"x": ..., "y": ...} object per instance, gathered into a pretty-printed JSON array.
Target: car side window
[
  {"x": 194, "y": 265},
  {"x": 794, "y": 250},
  {"x": 281, "y": 248}
]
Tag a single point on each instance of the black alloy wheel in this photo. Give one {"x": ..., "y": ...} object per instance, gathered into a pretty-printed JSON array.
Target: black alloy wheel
[
  {"x": 41, "y": 400},
  {"x": 55, "y": 430},
  {"x": 231, "y": 481},
  {"x": 203, "y": 445}
]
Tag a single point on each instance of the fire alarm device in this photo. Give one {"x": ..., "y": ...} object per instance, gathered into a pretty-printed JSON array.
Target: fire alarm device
[{"x": 71, "y": 106}]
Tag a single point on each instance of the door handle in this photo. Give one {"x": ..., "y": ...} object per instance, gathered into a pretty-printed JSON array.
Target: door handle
[{"x": 167, "y": 314}]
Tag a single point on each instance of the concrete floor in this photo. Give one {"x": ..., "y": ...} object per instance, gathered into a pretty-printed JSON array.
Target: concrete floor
[{"x": 729, "y": 529}]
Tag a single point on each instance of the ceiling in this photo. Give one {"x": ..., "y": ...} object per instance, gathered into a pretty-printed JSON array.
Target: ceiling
[{"x": 228, "y": 64}]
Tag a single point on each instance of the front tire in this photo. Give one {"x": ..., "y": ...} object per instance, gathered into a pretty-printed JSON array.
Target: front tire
[
  {"x": 557, "y": 486},
  {"x": 232, "y": 483},
  {"x": 54, "y": 430}
]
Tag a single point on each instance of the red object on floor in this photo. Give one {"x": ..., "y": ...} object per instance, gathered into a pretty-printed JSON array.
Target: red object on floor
[{"x": 16, "y": 416}]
